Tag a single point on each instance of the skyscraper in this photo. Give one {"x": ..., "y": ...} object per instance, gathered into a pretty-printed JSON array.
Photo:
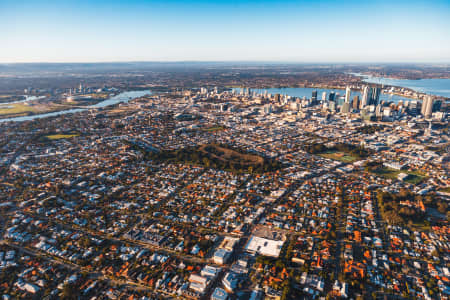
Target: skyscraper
[
  {"x": 378, "y": 111},
  {"x": 375, "y": 96},
  {"x": 366, "y": 96},
  {"x": 331, "y": 96},
  {"x": 427, "y": 106},
  {"x": 314, "y": 96},
  {"x": 413, "y": 107},
  {"x": 324, "y": 96},
  {"x": 356, "y": 102},
  {"x": 268, "y": 109},
  {"x": 348, "y": 92},
  {"x": 345, "y": 107},
  {"x": 277, "y": 98}
]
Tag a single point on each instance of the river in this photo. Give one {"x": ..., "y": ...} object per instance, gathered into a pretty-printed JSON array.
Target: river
[
  {"x": 434, "y": 86},
  {"x": 122, "y": 97}
]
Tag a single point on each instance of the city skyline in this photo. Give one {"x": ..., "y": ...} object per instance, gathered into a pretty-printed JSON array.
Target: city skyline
[{"x": 284, "y": 31}]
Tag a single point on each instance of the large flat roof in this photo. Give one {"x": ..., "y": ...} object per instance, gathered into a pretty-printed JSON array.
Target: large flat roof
[{"x": 264, "y": 246}]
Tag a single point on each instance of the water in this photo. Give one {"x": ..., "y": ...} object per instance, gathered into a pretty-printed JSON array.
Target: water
[
  {"x": 435, "y": 86},
  {"x": 307, "y": 92},
  {"x": 27, "y": 98},
  {"x": 122, "y": 97}
]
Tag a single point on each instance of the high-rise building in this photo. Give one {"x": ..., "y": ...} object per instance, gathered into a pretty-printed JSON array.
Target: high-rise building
[
  {"x": 345, "y": 107},
  {"x": 423, "y": 105},
  {"x": 355, "y": 102},
  {"x": 378, "y": 111},
  {"x": 365, "y": 97},
  {"x": 427, "y": 107},
  {"x": 413, "y": 107},
  {"x": 268, "y": 109},
  {"x": 324, "y": 96},
  {"x": 332, "y": 96},
  {"x": 348, "y": 92},
  {"x": 277, "y": 97},
  {"x": 375, "y": 96},
  {"x": 314, "y": 96},
  {"x": 332, "y": 106}
]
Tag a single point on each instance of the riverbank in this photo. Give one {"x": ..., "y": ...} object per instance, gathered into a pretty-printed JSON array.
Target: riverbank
[
  {"x": 439, "y": 87},
  {"x": 26, "y": 112},
  {"x": 30, "y": 108}
]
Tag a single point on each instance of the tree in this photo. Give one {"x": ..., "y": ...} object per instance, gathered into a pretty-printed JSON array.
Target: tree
[
  {"x": 69, "y": 292},
  {"x": 442, "y": 207},
  {"x": 206, "y": 162},
  {"x": 250, "y": 169}
]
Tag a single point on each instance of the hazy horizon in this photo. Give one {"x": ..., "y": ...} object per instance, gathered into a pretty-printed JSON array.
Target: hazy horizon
[
  {"x": 246, "y": 31},
  {"x": 236, "y": 61}
]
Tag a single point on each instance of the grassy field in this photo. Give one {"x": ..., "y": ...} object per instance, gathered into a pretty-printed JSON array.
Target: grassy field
[
  {"x": 21, "y": 109},
  {"x": 213, "y": 129},
  {"x": 340, "y": 156},
  {"x": 414, "y": 176},
  {"x": 16, "y": 109},
  {"x": 445, "y": 190},
  {"x": 61, "y": 136}
]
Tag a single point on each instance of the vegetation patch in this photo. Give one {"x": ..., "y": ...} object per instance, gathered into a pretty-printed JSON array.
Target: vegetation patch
[
  {"x": 61, "y": 136},
  {"x": 218, "y": 156},
  {"x": 341, "y": 152},
  {"x": 445, "y": 190},
  {"x": 214, "y": 128},
  {"x": 377, "y": 168},
  {"x": 370, "y": 129},
  {"x": 16, "y": 109},
  {"x": 409, "y": 208},
  {"x": 340, "y": 156}
]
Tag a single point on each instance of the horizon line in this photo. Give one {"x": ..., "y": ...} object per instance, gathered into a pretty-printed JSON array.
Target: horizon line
[{"x": 227, "y": 61}]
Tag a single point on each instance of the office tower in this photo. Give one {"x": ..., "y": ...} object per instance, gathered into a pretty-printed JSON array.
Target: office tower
[
  {"x": 345, "y": 107},
  {"x": 423, "y": 105},
  {"x": 378, "y": 111},
  {"x": 314, "y": 96},
  {"x": 437, "y": 105},
  {"x": 331, "y": 96},
  {"x": 427, "y": 107},
  {"x": 295, "y": 106},
  {"x": 348, "y": 92},
  {"x": 268, "y": 109},
  {"x": 356, "y": 102},
  {"x": 375, "y": 96},
  {"x": 365, "y": 97},
  {"x": 277, "y": 98},
  {"x": 223, "y": 107},
  {"x": 332, "y": 106},
  {"x": 324, "y": 96},
  {"x": 413, "y": 107}
]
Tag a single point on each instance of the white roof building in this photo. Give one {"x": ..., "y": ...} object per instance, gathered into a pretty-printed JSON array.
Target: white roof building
[{"x": 264, "y": 246}]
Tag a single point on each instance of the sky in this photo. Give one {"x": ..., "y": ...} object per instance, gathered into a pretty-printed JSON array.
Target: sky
[{"x": 200, "y": 30}]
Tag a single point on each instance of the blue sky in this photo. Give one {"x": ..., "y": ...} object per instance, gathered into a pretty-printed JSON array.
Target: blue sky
[{"x": 171, "y": 30}]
